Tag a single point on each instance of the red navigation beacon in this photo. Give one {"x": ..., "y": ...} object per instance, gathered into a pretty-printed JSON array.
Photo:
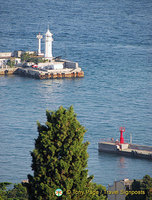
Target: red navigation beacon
[{"x": 121, "y": 129}]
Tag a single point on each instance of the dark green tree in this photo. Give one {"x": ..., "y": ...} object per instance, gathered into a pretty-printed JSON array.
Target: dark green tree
[
  {"x": 19, "y": 192},
  {"x": 3, "y": 188},
  {"x": 33, "y": 59},
  {"x": 136, "y": 186},
  {"x": 59, "y": 160},
  {"x": 25, "y": 57},
  {"x": 144, "y": 185},
  {"x": 11, "y": 62}
]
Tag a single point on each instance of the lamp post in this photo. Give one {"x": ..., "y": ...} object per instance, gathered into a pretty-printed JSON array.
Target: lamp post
[{"x": 39, "y": 37}]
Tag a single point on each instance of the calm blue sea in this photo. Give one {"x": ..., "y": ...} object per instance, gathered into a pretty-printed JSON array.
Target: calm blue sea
[{"x": 112, "y": 41}]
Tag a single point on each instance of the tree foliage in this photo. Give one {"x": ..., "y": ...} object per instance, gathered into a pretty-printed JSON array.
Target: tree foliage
[
  {"x": 59, "y": 160},
  {"x": 19, "y": 192},
  {"x": 26, "y": 57},
  {"x": 144, "y": 185},
  {"x": 11, "y": 62}
]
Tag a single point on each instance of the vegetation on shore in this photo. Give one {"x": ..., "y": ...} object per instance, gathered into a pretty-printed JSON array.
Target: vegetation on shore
[
  {"x": 26, "y": 57},
  {"x": 19, "y": 191},
  {"x": 11, "y": 62}
]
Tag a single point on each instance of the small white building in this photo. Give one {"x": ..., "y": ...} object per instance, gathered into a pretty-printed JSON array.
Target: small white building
[
  {"x": 118, "y": 190},
  {"x": 51, "y": 65},
  {"x": 5, "y": 56}
]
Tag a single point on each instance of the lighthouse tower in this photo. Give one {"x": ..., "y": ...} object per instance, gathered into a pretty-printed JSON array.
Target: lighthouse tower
[{"x": 48, "y": 45}]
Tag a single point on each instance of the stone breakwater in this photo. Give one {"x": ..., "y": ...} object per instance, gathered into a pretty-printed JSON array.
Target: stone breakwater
[
  {"x": 8, "y": 71},
  {"x": 39, "y": 74},
  {"x": 131, "y": 150}
]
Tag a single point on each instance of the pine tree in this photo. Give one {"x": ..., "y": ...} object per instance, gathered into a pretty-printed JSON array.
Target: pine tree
[
  {"x": 59, "y": 160},
  {"x": 146, "y": 185}
]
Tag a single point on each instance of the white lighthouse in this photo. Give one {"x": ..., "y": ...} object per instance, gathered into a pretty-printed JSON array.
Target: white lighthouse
[{"x": 48, "y": 44}]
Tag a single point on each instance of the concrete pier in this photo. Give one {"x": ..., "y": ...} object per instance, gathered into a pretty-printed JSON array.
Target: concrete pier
[
  {"x": 8, "y": 71},
  {"x": 50, "y": 74},
  {"x": 131, "y": 150},
  {"x": 40, "y": 74}
]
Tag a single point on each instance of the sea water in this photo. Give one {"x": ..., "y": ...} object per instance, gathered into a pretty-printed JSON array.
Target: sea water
[{"x": 112, "y": 42}]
